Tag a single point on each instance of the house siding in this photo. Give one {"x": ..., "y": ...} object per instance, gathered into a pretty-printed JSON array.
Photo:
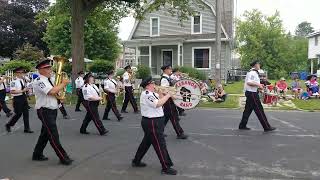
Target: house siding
[
  {"x": 170, "y": 25},
  {"x": 225, "y": 56},
  {"x": 313, "y": 50}
]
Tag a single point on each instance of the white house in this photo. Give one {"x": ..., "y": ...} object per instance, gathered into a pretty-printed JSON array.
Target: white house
[{"x": 314, "y": 48}]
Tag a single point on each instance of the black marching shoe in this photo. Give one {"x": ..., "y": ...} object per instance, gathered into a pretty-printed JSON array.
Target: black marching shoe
[
  {"x": 182, "y": 136},
  {"x": 39, "y": 158},
  {"x": 84, "y": 132},
  {"x": 123, "y": 111},
  {"x": 138, "y": 164},
  {"x": 104, "y": 132},
  {"x": 169, "y": 171},
  {"x": 77, "y": 110},
  {"x": 66, "y": 162},
  {"x": 28, "y": 131},
  {"x": 137, "y": 112},
  {"x": 244, "y": 128},
  {"x": 182, "y": 114},
  {"x": 9, "y": 114},
  {"x": 66, "y": 117},
  {"x": 120, "y": 118},
  {"x": 270, "y": 129},
  {"x": 8, "y": 128}
]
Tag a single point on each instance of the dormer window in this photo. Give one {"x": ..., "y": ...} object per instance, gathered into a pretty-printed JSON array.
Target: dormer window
[
  {"x": 196, "y": 24},
  {"x": 154, "y": 26}
]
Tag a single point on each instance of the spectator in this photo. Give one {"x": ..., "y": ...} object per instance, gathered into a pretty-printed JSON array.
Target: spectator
[
  {"x": 203, "y": 87},
  {"x": 296, "y": 87},
  {"x": 313, "y": 86},
  {"x": 219, "y": 95},
  {"x": 282, "y": 86},
  {"x": 264, "y": 80}
]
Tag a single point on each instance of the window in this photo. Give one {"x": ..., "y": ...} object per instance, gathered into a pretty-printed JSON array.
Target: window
[
  {"x": 196, "y": 24},
  {"x": 201, "y": 58},
  {"x": 154, "y": 26},
  {"x": 316, "y": 40}
]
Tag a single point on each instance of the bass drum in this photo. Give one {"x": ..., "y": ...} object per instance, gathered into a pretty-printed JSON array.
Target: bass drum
[{"x": 188, "y": 94}]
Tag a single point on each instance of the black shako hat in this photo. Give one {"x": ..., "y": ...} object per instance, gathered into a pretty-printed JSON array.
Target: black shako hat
[
  {"x": 127, "y": 67},
  {"x": 164, "y": 67},
  {"x": 44, "y": 64},
  {"x": 87, "y": 76},
  {"x": 110, "y": 72},
  {"x": 80, "y": 72},
  {"x": 146, "y": 81},
  {"x": 19, "y": 69},
  {"x": 254, "y": 63}
]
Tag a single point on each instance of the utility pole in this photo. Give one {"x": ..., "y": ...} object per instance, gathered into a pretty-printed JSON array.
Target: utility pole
[{"x": 218, "y": 42}]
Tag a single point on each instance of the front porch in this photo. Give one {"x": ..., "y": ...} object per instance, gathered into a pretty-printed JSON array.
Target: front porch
[{"x": 153, "y": 55}]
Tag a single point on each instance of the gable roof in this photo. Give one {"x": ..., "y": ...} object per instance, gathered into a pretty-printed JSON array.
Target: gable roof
[
  {"x": 204, "y": 1},
  {"x": 314, "y": 34}
]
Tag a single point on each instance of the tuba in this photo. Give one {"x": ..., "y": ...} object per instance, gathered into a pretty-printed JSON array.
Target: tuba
[{"x": 59, "y": 76}]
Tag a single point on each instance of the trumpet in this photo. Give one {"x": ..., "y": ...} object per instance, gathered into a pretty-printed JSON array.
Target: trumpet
[{"x": 163, "y": 89}]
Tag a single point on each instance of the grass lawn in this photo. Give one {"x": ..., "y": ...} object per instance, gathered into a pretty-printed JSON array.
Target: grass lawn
[
  {"x": 309, "y": 105},
  {"x": 231, "y": 102},
  {"x": 234, "y": 88}
]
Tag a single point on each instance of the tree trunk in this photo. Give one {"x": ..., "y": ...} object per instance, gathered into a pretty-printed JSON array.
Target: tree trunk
[{"x": 77, "y": 38}]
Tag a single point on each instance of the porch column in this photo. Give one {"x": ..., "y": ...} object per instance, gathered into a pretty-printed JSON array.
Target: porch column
[
  {"x": 311, "y": 66},
  {"x": 179, "y": 54},
  {"x": 150, "y": 57},
  {"x": 137, "y": 56}
]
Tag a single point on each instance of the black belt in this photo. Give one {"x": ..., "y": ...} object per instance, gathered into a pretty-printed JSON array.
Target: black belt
[
  {"x": 251, "y": 92},
  {"x": 152, "y": 117}
]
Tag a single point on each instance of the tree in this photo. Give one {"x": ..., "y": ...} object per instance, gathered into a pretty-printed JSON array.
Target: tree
[
  {"x": 18, "y": 25},
  {"x": 304, "y": 29},
  {"x": 29, "y": 53},
  {"x": 80, "y": 9},
  {"x": 100, "y": 34},
  {"x": 101, "y": 66},
  {"x": 263, "y": 38}
]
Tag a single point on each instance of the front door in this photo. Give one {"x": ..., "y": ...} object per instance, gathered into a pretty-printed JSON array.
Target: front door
[{"x": 167, "y": 57}]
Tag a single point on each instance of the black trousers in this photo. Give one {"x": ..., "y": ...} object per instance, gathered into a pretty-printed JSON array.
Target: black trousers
[
  {"x": 3, "y": 104},
  {"x": 253, "y": 103},
  {"x": 171, "y": 113},
  {"x": 111, "y": 104},
  {"x": 153, "y": 135},
  {"x": 49, "y": 132},
  {"x": 80, "y": 98},
  {"x": 62, "y": 108},
  {"x": 129, "y": 97},
  {"x": 21, "y": 107},
  {"x": 92, "y": 114},
  {"x": 180, "y": 110}
]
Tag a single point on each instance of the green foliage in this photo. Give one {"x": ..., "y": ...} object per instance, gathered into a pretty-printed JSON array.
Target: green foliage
[
  {"x": 18, "y": 25},
  {"x": 262, "y": 38},
  {"x": 100, "y": 31},
  {"x": 143, "y": 72},
  {"x": 119, "y": 72},
  {"x": 101, "y": 66},
  {"x": 304, "y": 29},
  {"x": 193, "y": 72},
  {"x": 18, "y": 63},
  {"x": 29, "y": 53},
  {"x": 67, "y": 67}
]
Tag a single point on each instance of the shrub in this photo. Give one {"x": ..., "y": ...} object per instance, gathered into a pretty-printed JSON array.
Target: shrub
[
  {"x": 193, "y": 72},
  {"x": 11, "y": 65},
  {"x": 119, "y": 72},
  {"x": 101, "y": 66},
  {"x": 29, "y": 53},
  {"x": 143, "y": 72}
]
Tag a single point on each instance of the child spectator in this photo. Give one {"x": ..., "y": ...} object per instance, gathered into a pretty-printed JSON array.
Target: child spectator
[
  {"x": 282, "y": 86},
  {"x": 296, "y": 87}
]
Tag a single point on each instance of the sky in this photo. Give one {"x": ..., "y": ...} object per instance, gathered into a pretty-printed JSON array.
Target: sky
[{"x": 292, "y": 12}]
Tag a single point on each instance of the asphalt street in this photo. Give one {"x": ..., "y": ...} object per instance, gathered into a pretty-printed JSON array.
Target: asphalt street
[{"x": 214, "y": 150}]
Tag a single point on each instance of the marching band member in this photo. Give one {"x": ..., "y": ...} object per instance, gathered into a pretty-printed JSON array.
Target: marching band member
[
  {"x": 175, "y": 77},
  {"x": 3, "y": 93},
  {"x": 152, "y": 124},
  {"x": 79, "y": 84},
  {"x": 91, "y": 102},
  {"x": 18, "y": 90},
  {"x": 170, "y": 109},
  {"x": 46, "y": 106},
  {"x": 110, "y": 87},
  {"x": 252, "y": 84},
  {"x": 128, "y": 91}
]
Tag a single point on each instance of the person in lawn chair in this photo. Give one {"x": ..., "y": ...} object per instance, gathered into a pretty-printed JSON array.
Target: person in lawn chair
[
  {"x": 296, "y": 88},
  {"x": 282, "y": 87},
  {"x": 312, "y": 85}
]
